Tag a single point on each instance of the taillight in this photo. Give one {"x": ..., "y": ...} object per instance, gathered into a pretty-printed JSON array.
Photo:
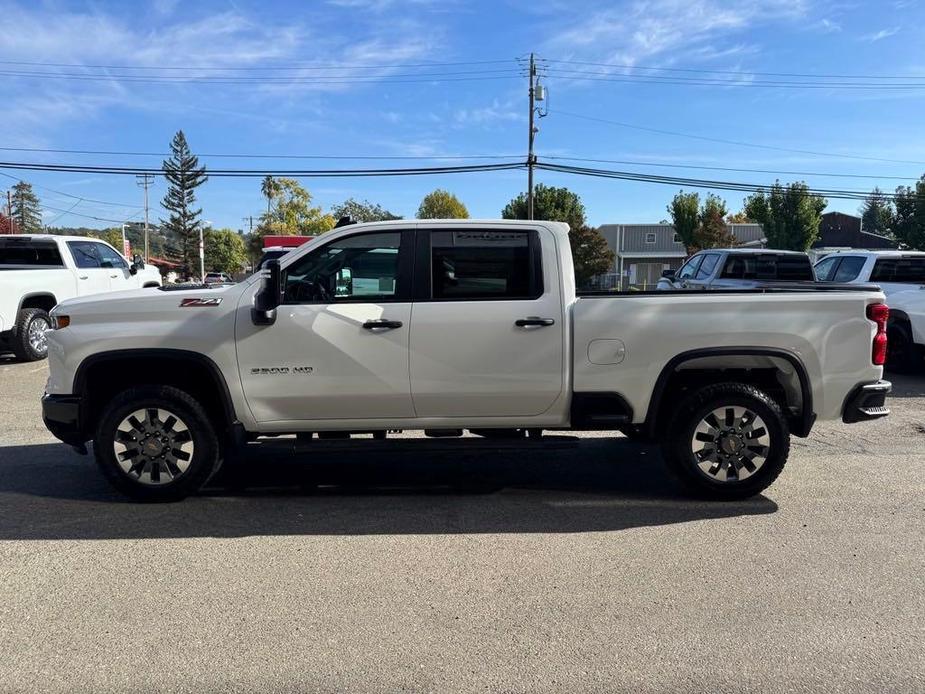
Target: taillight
[{"x": 879, "y": 314}]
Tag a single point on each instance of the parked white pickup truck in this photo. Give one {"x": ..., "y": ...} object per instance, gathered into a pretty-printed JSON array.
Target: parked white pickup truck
[
  {"x": 448, "y": 326},
  {"x": 901, "y": 276},
  {"x": 37, "y": 272}
]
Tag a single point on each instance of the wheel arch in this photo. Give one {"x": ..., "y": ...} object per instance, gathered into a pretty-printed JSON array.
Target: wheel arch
[
  {"x": 41, "y": 300},
  {"x": 191, "y": 372},
  {"x": 754, "y": 365}
]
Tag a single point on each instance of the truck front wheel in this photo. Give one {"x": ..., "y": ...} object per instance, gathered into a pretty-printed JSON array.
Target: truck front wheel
[
  {"x": 29, "y": 341},
  {"x": 156, "y": 443},
  {"x": 727, "y": 441}
]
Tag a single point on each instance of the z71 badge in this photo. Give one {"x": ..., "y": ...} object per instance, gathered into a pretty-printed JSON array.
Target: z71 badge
[
  {"x": 201, "y": 301},
  {"x": 280, "y": 370}
]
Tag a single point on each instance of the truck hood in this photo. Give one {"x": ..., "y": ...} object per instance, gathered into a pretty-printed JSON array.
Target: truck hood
[{"x": 152, "y": 301}]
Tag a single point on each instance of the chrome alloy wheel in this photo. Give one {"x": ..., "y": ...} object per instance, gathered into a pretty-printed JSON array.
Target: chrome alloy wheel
[
  {"x": 38, "y": 341},
  {"x": 153, "y": 446},
  {"x": 730, "y": 444}
]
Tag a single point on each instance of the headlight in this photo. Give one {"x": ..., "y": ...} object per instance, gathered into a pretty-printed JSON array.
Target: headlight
[{"x": 59, "y": 321}]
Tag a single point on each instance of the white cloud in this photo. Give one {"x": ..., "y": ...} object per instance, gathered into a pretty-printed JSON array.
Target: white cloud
[
  {"x": 662, "y": 28},
  {"x": 828, "y": 26},
  {"x": 880, "y": 35},
  {"x": 488, "y": 114}
]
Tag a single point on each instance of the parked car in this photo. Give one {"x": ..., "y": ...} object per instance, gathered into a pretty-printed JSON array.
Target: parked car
[
  {"x": 738, "y": 268},
  {"x": 447, "y": 325},
  {"x": 218, "y": 278},
  {"x": 37, "y": 272},
  {"x": 901, "y": 276}
]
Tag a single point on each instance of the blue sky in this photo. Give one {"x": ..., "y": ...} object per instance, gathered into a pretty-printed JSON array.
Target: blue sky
[{"x": 480, "y": 109}]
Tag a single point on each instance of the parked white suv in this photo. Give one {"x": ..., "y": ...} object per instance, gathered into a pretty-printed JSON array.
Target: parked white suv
[
  {"x": 452, "y": 325},
  {"x": 901, "y": 276},
  {"x": 37, "y": 272}
]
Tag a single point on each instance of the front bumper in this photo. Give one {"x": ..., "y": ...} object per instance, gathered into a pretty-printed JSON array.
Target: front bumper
[
  {"x": 61, "y": 414},
  {"x": 867, "y": 401}
]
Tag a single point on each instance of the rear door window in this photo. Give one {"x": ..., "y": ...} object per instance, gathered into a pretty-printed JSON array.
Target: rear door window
[
  {"x": 910, "y": 270},
  {"x": 16, "y": 252},
  {"x": 849, "y": 269},
  {"x": 484, "y": 264}
]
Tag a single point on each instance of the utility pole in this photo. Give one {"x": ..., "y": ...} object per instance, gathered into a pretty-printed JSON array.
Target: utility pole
[
  {"x": 249, "y": 220},
  {"x": 145, "y": 180},
  {"x": 530, "y": 155}
]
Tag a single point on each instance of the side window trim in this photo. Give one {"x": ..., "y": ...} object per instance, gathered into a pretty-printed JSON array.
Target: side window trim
[
  {"x": 403, "y": 279},
  {"x": 423, "y": 279}
]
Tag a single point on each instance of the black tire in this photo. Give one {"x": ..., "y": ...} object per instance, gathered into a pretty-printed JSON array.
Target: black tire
[
  {"x": 772, "y": 446},
  {"x": 903, "y": 355},
  {"x": 29, "y": 319},
  {"x": 203, "y": 460}
]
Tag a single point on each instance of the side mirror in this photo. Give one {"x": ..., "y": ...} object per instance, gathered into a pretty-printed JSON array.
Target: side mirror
[
  {"x": 267, "y": 297},
  {"x": 138, "y": 263}
]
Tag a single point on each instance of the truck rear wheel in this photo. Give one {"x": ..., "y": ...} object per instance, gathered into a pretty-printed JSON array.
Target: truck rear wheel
[
  {"x": 727, "y": 441},
  {"x": 156, "y": 443},
  {"x": 29, "y": 342}
]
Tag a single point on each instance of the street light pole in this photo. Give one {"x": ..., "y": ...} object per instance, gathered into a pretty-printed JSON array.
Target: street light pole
[
  {"x": 123, "y": 238},
  {"x": 202, "y": 252}
]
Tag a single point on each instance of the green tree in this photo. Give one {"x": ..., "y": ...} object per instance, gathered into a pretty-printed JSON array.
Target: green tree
[
  {"x": 712, "y": 231},
  {"x": 364, "y": 211},
  {"x": 111, "y": 236},
  {"x": 293, "y": 213},
  {"x": 590, "y": 253},
  {"x": 441, "y": 204},
  {"x": 789, "y": 216},
  {"x": 26, "y": 211},
  {"x": 225, "y": 251},
  {"x": 685, "y": 217},
  {"x": 877, "y": 213},
  {"x": 909, "y": 224},
  {"x": 183, "y": 175},
  {"x": 737, "y": 218},
  {"x": 270, "y": 189}
]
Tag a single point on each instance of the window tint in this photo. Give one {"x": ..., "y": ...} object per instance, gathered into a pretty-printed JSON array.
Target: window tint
[
  {"x": 32, "y": 253},
  {"x": 906, "y": 270},
  {"x": 84, "y": 253},
  {"x": 707, "y": 266},
  {"x": 769, "y": 267},
  {"x": 482, "y": 265},
  {"x": 824, "y": 269},
  {"x": 849, "y": 268},
  {"x": 109, "y": 257},
  {"x": 357, "y": 268},
  {"x": 690, "y": 268}
]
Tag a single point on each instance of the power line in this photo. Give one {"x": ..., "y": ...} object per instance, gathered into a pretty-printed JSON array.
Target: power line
[
  {"x": 291, "y": 66},
  {"x": 838, "y": 193},
  {"x": 737, "y": 72},
  {"x": 733, "y": 169},
  {"x": 716, "y": 82},
  {"x": 75, "y": 197},
  {"x": 738, "y": 143},
  {"x": 268, "y": 156},
  {"x": 304, "y": 173},
  {"x": 86, "y": 216}
]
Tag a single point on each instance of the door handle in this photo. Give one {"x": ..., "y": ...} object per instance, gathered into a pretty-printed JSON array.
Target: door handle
[
  {"x": 382, "y": 324},
  {"x": 532, "y": 321},
  {"x": 82, "y": 277},
  {"x": 113, "y": 276}
]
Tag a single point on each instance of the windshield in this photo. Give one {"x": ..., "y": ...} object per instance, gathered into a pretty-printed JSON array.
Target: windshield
[
  {"x": 16, "y": 252},
  {"x": 909, "y": 270}
]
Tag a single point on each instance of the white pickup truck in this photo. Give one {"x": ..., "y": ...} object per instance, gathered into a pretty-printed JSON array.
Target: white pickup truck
[
  {"x": 446, "y": 326},
  {"x": 37, "y": 272},
  {"x": 901, "y": 276}
]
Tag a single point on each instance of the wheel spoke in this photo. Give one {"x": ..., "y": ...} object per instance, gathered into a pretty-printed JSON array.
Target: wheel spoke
[
  {"x": 153, "y": 446},
  {"x": 730, "y": 443}
]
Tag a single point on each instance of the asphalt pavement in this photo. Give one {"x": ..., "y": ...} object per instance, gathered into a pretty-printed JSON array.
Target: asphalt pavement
[{"x": 573, "y": 567}]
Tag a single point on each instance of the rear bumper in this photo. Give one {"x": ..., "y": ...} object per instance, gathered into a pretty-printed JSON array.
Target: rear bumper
[
  {"x": 61, "y": 414},
  {"x": 867, "y": 401}
]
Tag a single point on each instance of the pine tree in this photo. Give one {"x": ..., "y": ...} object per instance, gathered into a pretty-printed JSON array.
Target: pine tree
[
  {"x": 183, "y": 175},
  {"x": 26, "y": 212},
  {"x": 877, "y": 213}
]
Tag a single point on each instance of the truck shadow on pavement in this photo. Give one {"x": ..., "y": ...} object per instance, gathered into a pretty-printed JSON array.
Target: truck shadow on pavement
[{"x": 49, "y": 493}]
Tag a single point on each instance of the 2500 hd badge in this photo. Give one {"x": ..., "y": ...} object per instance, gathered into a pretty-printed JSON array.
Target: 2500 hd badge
[{"x": 280, "y": 370}]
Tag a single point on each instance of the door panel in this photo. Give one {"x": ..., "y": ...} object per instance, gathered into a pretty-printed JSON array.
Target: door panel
[
  {"x": 339, "y": 346},
  {"x": 92, "y": 278},
  {"x": 468, "y": 356}
]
